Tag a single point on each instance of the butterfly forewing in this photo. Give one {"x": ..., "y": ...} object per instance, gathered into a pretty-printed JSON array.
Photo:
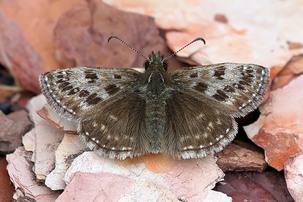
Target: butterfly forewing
[
  {"x": 235, "y": 88},
  {"x": 75, "y": 91}
]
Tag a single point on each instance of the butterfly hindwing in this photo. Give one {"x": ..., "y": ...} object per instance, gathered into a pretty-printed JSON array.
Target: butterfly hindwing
[
  {"x": 195, "y": 129},
  {"x": 118, "y": 130}
]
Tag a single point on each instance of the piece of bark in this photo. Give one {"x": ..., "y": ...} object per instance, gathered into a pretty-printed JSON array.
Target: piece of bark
[
  {"x": 253, "y": 186},
  {"x": 18, "y": 56},
  {"x": 293, "y": 170},
  {"x": 7, "y": 189},
  {"x": 12, "y": 128},
  {"x": 236, "y": 157},
  {"x": 21, "y": 174},
  {"x": 290, "y": 71},
  {"x": 37, "y": 20},
  {"x": 278, "y": 129},
  {"x": 245, "y": 38},
  {"x": 186, "y": 179},
  {"x": 82, "y": 36}
]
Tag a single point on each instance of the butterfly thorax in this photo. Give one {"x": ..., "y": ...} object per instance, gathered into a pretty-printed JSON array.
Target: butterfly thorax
[{"x": 156, "y": 77}]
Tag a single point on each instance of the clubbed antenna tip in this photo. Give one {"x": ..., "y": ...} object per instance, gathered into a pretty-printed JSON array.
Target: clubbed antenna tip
[
  {"x": 126, "y": 44},
  {"x": 196, "y": 39}
]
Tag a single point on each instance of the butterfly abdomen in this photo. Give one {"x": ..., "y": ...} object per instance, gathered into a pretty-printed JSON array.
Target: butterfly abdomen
[{"x": 155, "y": 123}]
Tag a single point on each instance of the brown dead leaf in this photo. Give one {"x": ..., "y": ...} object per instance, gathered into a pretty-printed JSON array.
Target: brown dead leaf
[{"x": 18, "y": 56}]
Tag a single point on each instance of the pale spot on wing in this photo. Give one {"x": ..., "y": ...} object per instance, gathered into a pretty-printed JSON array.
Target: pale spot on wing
[
  {"x": 113, "y": 117},
  {"x": 95, "y": 124},
  {"x": 200, "y": 116},
  {"x": 210, "y": 125}
]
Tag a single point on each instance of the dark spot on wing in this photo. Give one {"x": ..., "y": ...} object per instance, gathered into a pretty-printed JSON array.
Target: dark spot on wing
[
  {"x": 112, "y": 89},
  {"x": 249, "y": 71},
  {"x": 83, "y": 93},
  {"x": 93, "y": 99},
  {"x": 219, "y": 73},
  {"x": 73, "y": 91},
  {"x": 117, "y": 76},
  {"x": 220, "y": 95},
  {"x": 238, "y": 86},
  {"x": 201, "y": 87},
  {"x": 62, "y": 80},
  {"x": 63, "y": 84},
  {"x": 193, "y": 75},
  {"x": 91, "y": 76},
  {"x": 66, "y": 87},
  {"x": 244, "y": 83},
  {"x": 229, "y": 89},
  {"x": 60, "y": 76}
]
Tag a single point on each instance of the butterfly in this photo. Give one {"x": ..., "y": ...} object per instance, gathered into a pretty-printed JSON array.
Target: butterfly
[{"x": 189, "y": 113}]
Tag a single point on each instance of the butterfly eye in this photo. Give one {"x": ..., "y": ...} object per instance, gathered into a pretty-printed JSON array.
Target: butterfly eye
[
  {"x": 165, "y": 66},
  {"x": 146, "y": 64}
]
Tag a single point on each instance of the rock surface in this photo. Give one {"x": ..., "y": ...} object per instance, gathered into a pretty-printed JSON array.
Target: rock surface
[
  {"x": 12, "y": 128},
  {"x": 279, "y": 129},
  {"x": 251, "y": 32},
  {"x": 294, "y": 176}
]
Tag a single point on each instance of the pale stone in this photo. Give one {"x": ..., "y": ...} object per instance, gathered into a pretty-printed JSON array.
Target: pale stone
[
  {"x": 69, "y": 148},
  {"x": 280, "y": 123},
  {"x": 185, "y": 178},
  {"x": 112, "y": 187},
  {"x": 248, "y": 35},
  {"x": 294, "y": 176},
  {"x": 20, "y": 171},
  {"x": 46, "y": 140}
]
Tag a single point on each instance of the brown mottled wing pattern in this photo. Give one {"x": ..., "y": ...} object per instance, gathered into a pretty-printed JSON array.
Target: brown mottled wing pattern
[
  {"x": 194, "y": 129},
  {"x": 236, "y": 89},
  {"x": 200, "y": 106},
  {"x": 75, "y": 91},
  {"x": 200, "y": 114},
  {"x": 118, "y": 130}
]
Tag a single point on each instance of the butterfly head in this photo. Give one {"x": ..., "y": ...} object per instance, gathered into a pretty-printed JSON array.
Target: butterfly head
[{"x": 155, "y": 61}]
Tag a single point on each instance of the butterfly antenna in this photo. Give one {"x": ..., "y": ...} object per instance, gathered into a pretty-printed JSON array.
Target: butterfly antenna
[
  {"x": 196, "y": 39},
  {"x": 126, "y": 44}
]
